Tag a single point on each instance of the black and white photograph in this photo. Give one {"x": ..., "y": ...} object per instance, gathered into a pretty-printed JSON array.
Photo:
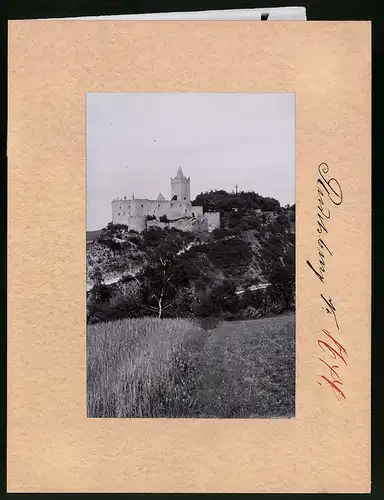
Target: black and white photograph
[{"x": 190, "y": 255}]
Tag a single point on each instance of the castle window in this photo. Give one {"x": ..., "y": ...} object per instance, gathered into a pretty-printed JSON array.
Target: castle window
[
  {"x": 118, "y": 213},
  {"x": 185, "y": 210},
  {"x": 184, "y": 197},
  {"x": 158, "y": 204},
  {"x": 171, "y": 204},
  {"x": 142, "y": 205},
  {"x": 180, "y": 205}
]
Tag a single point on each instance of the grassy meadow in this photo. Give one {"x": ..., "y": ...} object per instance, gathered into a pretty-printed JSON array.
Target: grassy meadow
[{"x": 148, "y": 367}]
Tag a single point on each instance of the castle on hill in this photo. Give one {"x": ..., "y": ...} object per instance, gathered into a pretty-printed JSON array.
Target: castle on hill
[{"x": 178, "y": 212}]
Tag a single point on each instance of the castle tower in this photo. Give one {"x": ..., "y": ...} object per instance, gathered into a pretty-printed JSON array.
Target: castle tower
[{"x": 180, "y": 187}]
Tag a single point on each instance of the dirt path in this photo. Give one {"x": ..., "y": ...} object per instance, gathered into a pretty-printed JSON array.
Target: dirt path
[{"x": 215, "y": 377}]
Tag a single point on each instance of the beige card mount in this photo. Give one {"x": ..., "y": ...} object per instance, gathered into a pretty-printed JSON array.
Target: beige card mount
[{"x": 52, "y": 445}]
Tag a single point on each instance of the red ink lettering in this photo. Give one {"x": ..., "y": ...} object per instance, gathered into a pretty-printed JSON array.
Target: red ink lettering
[
  {"x": 336, "y": 390},
  {"x": 341, "y": 353},
  {"x": 335, "y": 351}
]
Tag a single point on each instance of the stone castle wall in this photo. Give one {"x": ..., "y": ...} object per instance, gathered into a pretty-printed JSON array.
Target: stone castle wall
[
  {"x": 124, "y": 210},
  {"x": 183, "y": 216},
  {"x": 213, "y": 220},
  {"x": 187, "y": 224}
]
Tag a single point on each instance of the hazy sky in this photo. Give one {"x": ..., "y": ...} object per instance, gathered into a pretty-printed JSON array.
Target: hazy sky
[{"x": 136, "y": 142}]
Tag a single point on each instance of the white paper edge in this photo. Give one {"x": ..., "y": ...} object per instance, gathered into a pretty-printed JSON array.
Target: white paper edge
[{"x": 275, "y": 14}]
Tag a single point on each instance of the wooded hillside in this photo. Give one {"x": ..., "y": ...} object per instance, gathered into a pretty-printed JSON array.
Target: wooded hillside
[{"x": 170, "y": 273}]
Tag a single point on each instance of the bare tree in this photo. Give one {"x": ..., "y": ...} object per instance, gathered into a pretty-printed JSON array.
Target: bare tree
[{"x": 160, "y": 286}]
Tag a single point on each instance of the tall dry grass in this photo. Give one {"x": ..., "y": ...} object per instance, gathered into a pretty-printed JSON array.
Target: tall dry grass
[{"x": 142, "y": 367}]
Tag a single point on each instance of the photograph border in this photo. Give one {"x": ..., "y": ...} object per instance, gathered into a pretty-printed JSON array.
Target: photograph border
[{"x": 98, "y": 100}]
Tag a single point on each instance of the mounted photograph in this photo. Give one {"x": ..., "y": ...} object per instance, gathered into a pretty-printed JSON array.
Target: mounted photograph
[{"x": 190, "y": 255}]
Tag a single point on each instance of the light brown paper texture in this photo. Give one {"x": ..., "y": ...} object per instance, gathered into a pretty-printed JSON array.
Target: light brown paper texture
[{"x": 52, "y": 446}]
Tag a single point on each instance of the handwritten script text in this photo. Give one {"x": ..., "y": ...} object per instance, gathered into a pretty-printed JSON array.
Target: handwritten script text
[{"x": 334, "y": 356}]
